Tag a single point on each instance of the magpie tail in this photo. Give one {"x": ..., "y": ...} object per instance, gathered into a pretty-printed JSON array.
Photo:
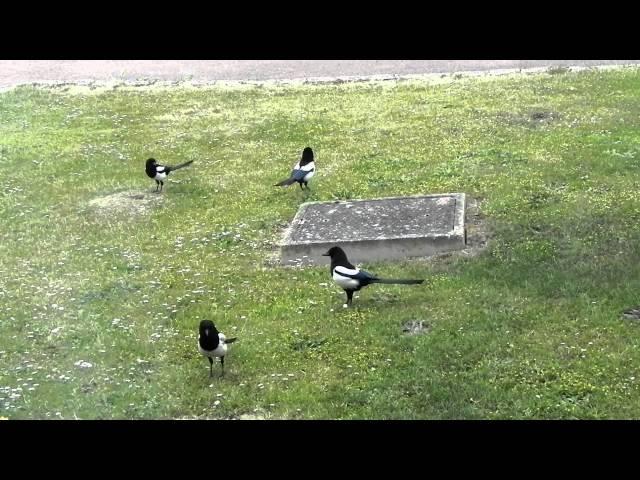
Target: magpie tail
[
  {"x": 397, "y": 282},
  {"x": 182, "y": 165},
  {"x": 286, "y": 182}
]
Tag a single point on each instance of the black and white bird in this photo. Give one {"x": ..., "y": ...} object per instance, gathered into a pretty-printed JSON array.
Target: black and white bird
[
  {"x": 352, "y": 279},
  {"x": 213, "y": 343},
  {"x": 632, "y": 313},
  {"x": 160, "y": 172},
  {"x": 302, "y": 171}
]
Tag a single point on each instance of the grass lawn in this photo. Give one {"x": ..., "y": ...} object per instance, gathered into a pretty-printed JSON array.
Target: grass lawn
[{"x": 101, "y": 294}]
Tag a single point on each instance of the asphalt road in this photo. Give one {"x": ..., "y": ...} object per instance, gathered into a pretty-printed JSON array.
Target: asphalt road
[{"x": 14, "y": 72}]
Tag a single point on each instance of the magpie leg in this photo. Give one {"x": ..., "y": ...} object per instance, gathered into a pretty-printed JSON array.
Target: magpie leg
[
  {"x": 349, "y": 296},
  {"x": 210, "y": 367},
  {"x": 222, "y": 363},
  {"x": 301, "y": 186},
  {"x": 161, "y": 185},
  {"x": 157, "y": 185}
]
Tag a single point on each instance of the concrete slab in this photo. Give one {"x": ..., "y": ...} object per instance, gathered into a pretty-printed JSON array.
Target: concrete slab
[{"x": 378, "y": 229}]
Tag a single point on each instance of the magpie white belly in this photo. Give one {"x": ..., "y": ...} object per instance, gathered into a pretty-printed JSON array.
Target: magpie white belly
[
  {"x": 220, "y": 351},
  {"x": 345, "y": 282}
]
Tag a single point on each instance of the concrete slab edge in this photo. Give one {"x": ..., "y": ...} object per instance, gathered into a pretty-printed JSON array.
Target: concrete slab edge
[
  {"x": 458, "y": 229},
  {"x": 452, "y": 76}
]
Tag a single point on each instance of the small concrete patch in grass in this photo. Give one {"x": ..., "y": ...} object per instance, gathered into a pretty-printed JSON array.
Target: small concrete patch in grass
[
  {"x": 416, "y": 327},
  {"x": 377, "y": 229},
  {"x": 530, "y": 119},
  {"x": 129, "y": 203},
  {"x": 249, "y": 416}
]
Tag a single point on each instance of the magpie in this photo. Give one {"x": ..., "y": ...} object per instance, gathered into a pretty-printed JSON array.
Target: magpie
[
  {"x": 160, "y": 172},
  {"x": 352, "y": 279},
  {"x": 212, "y": 343},
  {"x": 302, "y": 171},
  {"x": 632, "y": 313}
]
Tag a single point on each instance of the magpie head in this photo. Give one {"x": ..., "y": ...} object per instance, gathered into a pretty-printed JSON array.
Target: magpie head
[
  {"x": 151, "y": 162},
  {"x": 336, "y": 253},
  {"x": 307, "y": 156},
  {"x": 208, "y": 329}
]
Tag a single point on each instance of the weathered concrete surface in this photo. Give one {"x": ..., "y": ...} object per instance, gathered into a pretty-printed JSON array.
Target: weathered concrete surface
[
  {"x": 15, "y": 72},
  {"x": 379, "y": 229}
]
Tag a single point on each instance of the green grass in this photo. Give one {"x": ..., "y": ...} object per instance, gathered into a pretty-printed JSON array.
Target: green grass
[{"x": 528, "y": 328}]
